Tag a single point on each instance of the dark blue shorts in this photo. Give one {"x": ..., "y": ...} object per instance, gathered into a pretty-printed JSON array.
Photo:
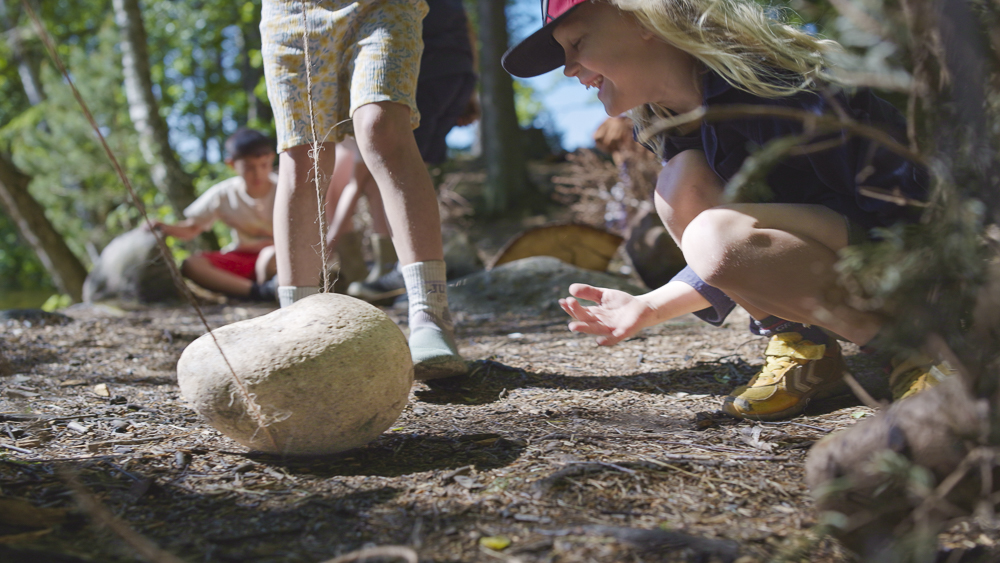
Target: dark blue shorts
[{"x": 441, "y": 101}]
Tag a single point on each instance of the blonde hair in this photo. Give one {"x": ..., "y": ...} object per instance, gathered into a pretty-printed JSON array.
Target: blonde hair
[{"x": 738, "y": 40}]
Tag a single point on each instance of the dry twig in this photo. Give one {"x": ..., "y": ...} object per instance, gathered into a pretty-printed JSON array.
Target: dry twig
[
  {"x": 101, "y": 515},
  {"x": 394, "y": 551}
]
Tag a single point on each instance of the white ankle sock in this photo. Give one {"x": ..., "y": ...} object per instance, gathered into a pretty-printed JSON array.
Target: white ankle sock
[
  {"x": 288, "y": 294},
  {"x": 427, "y": 290}
]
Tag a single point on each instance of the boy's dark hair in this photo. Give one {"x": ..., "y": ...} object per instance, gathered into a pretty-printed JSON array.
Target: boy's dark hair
[{"x": 246, "y": 142}]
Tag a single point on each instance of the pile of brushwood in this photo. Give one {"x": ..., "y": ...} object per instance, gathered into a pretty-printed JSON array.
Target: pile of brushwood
[{"x": 890, "y": 484}]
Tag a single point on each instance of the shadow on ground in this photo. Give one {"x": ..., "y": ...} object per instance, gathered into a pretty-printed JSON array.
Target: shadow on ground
[
  {"x": 488, "y": 380},
  {"x": 395, "y": 455}
]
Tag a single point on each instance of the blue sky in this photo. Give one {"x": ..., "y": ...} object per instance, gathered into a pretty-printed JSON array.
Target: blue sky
[{"x": 575, "y": 111}]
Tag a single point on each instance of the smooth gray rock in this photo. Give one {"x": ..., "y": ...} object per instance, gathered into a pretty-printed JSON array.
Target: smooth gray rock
[
  {"x": 530, "y": 285},
  {"x": 329, "y": 373},
  {"x": 131, "y": 269}
]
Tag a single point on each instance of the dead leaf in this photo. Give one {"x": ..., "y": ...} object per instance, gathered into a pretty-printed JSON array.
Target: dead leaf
[
  {"x": 101, "y": 389},
  {"x": 467, "y": 482},
  {"x": 751, "y": 437},
  {"x": 496, "y": 543}
]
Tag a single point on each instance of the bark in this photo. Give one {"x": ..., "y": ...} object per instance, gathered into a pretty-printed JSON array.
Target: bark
[
  {"x": 167, "y": 174},
  {"x": 65, "y": 268},
  {"x": 506, "y": 172}
]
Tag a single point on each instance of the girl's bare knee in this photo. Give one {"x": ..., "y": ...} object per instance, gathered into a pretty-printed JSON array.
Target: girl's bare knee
[{"x": 713, "y": 242}]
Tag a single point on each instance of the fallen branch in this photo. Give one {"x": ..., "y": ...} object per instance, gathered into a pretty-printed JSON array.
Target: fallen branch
[
  {"x": 811, "y": 122},
  {"x": 660, "y": 540},
  {"x": 860, "y": 392}
]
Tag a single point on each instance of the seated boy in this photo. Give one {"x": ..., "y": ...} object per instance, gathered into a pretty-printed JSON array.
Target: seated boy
[{"x": 246, "y": 267}]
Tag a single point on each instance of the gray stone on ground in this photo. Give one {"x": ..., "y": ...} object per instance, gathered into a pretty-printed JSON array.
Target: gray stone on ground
[
  {"x": 527, "y": 286},
  {"x": 460, "y": 254},
  {"x": 131, "y": 269},
  {"x": 329, "y": 373}
]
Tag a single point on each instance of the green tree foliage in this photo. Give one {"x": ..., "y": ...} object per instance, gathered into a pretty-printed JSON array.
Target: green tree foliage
[{"x": 206, "y": 66}]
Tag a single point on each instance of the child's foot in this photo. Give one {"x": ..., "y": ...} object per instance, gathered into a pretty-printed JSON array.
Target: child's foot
[
  {"x": 267, "y": 291},
  {"x": 387, "y": 286},
  {"x": 435, "y": 354},
  {"x": 795, "y": 371},
  {"x": 912, "y": 373}
]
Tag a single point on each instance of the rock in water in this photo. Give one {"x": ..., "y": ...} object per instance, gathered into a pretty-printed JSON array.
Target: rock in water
[
  {"x": 329, "y": 373},
  {"x": 131, "y": 269}
]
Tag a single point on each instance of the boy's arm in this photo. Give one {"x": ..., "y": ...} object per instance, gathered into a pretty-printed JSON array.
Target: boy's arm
[
  {"x": 184, "y": 230},
  {"x": 618, "y": 315}
]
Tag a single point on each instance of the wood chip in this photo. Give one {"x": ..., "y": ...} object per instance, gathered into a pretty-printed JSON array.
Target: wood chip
[{"x": 77, "y": 427}]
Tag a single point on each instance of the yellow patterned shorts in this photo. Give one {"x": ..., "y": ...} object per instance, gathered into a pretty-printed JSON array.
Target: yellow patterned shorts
[{"x": 360, "y": 52}]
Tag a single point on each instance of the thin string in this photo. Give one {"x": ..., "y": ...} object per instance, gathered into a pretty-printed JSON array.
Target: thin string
[
  {"x": 325, "y": 285},
  {"x": 252, "y": 407}
]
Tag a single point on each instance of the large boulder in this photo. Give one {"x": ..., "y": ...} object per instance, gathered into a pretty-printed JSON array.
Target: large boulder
[
  {"x": 131, "y": 269},
  {"x": 327, "y": 374}
]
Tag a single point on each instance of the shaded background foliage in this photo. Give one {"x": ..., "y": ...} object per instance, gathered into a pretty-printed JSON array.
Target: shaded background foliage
[
  {"x": 207, "y": 71},
  {"x": 206, "y": 67}
]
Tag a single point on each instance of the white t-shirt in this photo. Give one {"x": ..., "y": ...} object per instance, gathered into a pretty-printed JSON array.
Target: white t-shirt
[{"x": 250, "y": 219}]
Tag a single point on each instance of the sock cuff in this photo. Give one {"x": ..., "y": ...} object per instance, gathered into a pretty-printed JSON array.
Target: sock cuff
[
  {"x": 420, "y": 273},
  {"x": 288, "y": 294}
]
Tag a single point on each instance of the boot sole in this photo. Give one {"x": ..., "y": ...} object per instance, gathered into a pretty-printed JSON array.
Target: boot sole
[
  {"x": 826, "y": 392},
  {"x": 440, "y": 368}
]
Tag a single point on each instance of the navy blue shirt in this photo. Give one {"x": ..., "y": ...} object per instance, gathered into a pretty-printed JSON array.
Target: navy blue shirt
[
  {"x": 447, "y": 49},
  {"x": 829, "y": 178}
]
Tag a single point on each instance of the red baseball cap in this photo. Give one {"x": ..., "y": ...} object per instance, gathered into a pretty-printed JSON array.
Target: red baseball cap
[{"x": 539, "y": 52}]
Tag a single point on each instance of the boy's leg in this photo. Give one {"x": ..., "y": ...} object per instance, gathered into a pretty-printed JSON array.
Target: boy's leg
[
  {"x": 231, "y": 273},
  {"x": 385, "y": 138},
  {"x": 201, "y": 271},
  {"x": 266, "y": 266}
]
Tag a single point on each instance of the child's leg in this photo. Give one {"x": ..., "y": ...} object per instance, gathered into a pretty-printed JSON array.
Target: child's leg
[
  {"x": 296, "y": 216},
  {"x": 382, "y": 249},
  {"x": 200, "y": 270},
  {"x": 384, "y": 134},
  {"x": 778, "y": 258},
  {"x": 266, "y": 266}
]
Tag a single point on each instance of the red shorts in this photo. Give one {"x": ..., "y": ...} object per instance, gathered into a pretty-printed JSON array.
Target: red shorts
[{"x": 236, "y": 262}]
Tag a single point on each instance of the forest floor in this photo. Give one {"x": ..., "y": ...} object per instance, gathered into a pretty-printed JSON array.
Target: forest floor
[
  {"x": 552, "y": 450},
  {"x": 549, "y": 439}
]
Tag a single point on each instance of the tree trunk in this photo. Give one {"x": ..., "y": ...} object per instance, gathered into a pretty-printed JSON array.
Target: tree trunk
[
  {"x": 258, "y": 111},
  {"x": 154, "y": 137},
  {"x": 168, "y": 176},
  {"x": 65, "y": 268},
  {"x": 506, "y": 172}
]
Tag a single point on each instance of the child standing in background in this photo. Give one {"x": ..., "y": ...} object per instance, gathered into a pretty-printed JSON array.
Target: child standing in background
[
  {"x": 364, "y": 63},
  {"x": 446, "y": 97}
]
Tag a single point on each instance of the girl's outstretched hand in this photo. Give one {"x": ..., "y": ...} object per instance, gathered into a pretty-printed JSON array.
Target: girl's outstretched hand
[{"x": 616, "y": 316}]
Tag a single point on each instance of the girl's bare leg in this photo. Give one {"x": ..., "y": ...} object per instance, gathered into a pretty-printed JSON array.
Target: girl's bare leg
[{"x": 778, "y": 258}]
